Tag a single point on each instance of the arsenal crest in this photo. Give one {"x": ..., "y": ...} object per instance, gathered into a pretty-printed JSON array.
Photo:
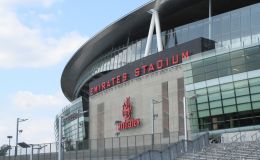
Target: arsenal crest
[
  {"x": 128, "y": 122},
  {"x": 127, "y": 109}
]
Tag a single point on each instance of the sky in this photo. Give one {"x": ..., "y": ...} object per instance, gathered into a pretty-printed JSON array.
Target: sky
[{"x": 37, "y": 39}]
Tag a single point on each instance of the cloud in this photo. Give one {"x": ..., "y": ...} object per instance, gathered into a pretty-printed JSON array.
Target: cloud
[
  {"x": 45, "y": 3},
  {"x": 29, "y": 100},
  {"x": 28, "y": 47},
  {"x": 46, "y": 17}
]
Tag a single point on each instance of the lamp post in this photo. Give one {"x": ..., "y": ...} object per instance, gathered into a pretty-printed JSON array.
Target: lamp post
[
  {"x": 18, "y": 120},
  {"x": 185, "y": 123},
  {"x": 78, "y": 114},
  {"x": 9, "y": 138},
  {"x": 153, "y": 117},
  {"x": 185, "y": 118}
]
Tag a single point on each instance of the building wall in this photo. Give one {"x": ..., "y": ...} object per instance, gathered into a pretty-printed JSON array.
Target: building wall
[{"x": 141, "y": 91}]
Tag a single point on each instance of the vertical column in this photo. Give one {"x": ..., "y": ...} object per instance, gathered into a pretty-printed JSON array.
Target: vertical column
[
  {"x": 155, "y": 22},
  {"x": 149, "y": 38},
  {"x": 165, "y": 110},
  {"x": 158, "y": 31}
]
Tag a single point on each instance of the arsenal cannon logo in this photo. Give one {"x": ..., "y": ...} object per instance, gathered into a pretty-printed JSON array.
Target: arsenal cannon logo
[{"x": 128, "y": 122}]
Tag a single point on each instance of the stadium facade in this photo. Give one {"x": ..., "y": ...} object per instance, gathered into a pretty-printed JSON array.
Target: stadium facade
[{"x": 133, "y": 77}]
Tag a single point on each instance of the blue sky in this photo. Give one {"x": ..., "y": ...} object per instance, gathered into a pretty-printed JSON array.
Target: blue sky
[{"x": 37, "y": 38}]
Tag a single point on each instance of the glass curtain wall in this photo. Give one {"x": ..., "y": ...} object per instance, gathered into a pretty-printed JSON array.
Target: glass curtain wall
[
  {"x": 226, "y": 88},
  {"x": 233, "y": 29},
  {"x": 70, "y": 126}
]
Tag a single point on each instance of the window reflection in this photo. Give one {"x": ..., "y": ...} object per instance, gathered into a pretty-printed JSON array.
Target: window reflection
[{"x": 232, "y": 29}]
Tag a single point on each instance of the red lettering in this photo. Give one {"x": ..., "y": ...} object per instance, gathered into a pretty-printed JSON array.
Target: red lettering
[
  {"x": 185, "y": 55},
  {"x": 95, "y": 89},
  {"x": 91, "y": 91},
  {"x": 118, "y": 79},
  {"x": 124, "y": 77},
  {"x": 175, "y": 60},
  {"x": 159, "y": 64},
  {"x": 108, "y": 84},
  {"x": 113, "y": 81},
  {"x": 144, "y": 68},
  {"x": 151, "y": 68},
  {"x": 103, "y": 85},
  {"x": 137, "y": 72},
  {"x": 167, "y": 62}
]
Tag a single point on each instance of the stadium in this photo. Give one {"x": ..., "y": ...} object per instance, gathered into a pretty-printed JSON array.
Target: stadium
[{"x": 171, "y": 68}]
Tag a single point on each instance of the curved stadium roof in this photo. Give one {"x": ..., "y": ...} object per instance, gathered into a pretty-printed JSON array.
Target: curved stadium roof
[{"x": 135, "y": 26}]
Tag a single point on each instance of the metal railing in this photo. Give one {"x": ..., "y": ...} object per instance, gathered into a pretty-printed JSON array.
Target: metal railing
[
  {"x": 123, "y": 147},
  {"x": 176, "y": 150}
]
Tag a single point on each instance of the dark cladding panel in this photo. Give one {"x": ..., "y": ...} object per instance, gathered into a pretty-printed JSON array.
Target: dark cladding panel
[
  {"x": 180, "y": 84},
  {"x": 165, "y": 109},
  {"x": 100, "y": 120},
  {"x": 168, "y": 57}
]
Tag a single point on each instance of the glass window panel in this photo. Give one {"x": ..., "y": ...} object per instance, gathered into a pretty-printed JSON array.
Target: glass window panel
[
  {"x": 224, "y": 72},
  {"x": 124, "y": 61},
  {"x": 143, "y": 47},
  {"x": 116, "y": 62},
  {"x": 210, "y": 61},
  {"x": 154, "y": 45},
  {"x": 245, "y": 25},
  {"x": 120, "y": 57},
  {"x": 199, "y": 78},
  {"x": 215, "y": 96},
  {"x": 216, "y": 28},
  {"x": 211, "y": 75},
  {"x": 252, "y": 58},
  {"x": 215, "y": 104},
  {"x": 252, "y": 50},
  {"x": 255, "y": 89},
  {"x": 230, "y": 109},
  {"x": 203, "y": 106},
  {"x": 227, "y": 102},
  {"x": 133, "y": 52},
  {"x": 129, "y": 54},
  {"x": 227, "y": 86},
  {"x": 255, "y": 97},
  {"x": 185, "y": 34},
  {"x": 244, "y": 107},
  {"x": 223, "y": 57},
  {"x": 242, "y": 91},
  {"x": 201, "y": 99},
  {"x": 237, "y": 61},
  {"x": 197, "y": 64},
  {"x": 253, "y": 66},
  {"x": 138, "y": 49},
  {"x": 254, "y": 81},
  {"x": 202, "y": 91},
  {"x": 193, "y": 31},
  {"x": 213, "y": 89},
  {"x": 196, "y": 71},
  {"x": 204, "y": 113},
  {"x": 238, "y": 69},
  {"x": 225, "y": 27},
  {"x": 188, "y": 73},
  {"x": 256, "y": 105},
  {"x": 255, "y": 14},
  {"x": 240, "y": 84},
  {"x": 243, "y": 99},
  {"x": 224, "y": 64},
  {"x": 237, "y": 54},
  {"x": 211, "y": 67},
  {"x": 216, "y": 111},
  {"x": 188, "y": 80}
]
